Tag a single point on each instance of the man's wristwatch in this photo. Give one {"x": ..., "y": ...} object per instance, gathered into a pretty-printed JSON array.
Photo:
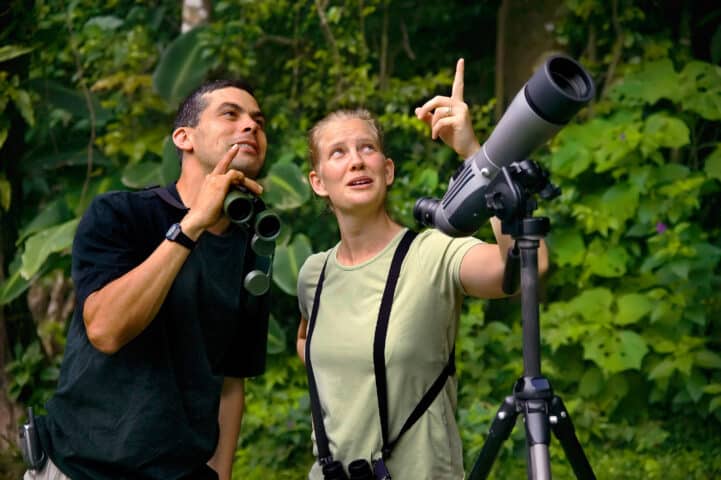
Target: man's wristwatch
[{"x": 175, "y": 234}]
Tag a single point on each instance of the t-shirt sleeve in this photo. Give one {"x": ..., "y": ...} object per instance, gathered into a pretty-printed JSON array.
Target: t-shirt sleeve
[
  {"x": 443, "y": 256},
  {"x": 307, "y": 282},
  {"x": 102, "y": 247}
]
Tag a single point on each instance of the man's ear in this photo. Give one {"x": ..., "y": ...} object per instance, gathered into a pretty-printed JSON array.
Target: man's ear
[
  {"x": 317, "y": 184},
  {"x": 181, "y": 139}
]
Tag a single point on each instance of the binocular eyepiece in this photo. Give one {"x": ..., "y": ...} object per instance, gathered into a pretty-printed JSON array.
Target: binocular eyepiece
[
  {"x": 244, "y": 208},
  {"x": 358, "y": 469}
]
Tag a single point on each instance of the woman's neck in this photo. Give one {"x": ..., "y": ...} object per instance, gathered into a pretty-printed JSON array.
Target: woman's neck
[{"x": 363, "y": 238}]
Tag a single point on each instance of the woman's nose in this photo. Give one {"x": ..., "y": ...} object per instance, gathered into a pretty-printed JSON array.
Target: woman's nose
[{"x": 356, "y": 160}]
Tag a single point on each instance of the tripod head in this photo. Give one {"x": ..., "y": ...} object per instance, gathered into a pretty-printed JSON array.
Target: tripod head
[{"x": 511, "y": 197}]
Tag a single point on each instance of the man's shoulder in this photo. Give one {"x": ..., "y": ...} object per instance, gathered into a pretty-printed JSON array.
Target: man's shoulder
[
  {"x": 123, "y": 210},
  {"x": 119, "y": 201}
]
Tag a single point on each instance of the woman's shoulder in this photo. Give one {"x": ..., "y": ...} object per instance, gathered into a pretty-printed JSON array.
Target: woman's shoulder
[
  {"x": 310, "y": 270},
  {"x": 435, "y": 240}
]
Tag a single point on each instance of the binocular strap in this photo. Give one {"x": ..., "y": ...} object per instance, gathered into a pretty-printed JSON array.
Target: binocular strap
[{"x": 324, "y": 455}]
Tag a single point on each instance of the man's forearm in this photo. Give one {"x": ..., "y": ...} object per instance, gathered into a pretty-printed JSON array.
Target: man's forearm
[
  {"x": 123, "y": 308},
  {"x": 230, "y": 416}
]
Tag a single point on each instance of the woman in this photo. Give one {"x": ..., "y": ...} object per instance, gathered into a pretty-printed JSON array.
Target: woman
[{"x": 350, "y": 170}]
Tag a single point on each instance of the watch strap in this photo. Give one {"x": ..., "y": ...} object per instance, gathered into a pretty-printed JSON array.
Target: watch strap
[{"x": 175, "y": 234}]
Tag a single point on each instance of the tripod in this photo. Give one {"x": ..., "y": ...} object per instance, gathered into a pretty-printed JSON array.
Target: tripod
[{"x": 510, "y": 197}]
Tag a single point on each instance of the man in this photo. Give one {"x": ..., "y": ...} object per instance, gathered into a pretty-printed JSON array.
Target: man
[{"x": 151, "y": 385}]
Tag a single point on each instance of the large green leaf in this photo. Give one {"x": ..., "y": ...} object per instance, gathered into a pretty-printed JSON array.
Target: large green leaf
[
  {"x": 5, "y": 192},
  {"x": 51, "y": 214},
  {"x": 22, "y": 101},
  {"x": 616, "y": 351},
  {"x": 713, "y": 164},
  {"x": 70, "y": 100},
  {"x": 170, "y": 164},
  {"x": 661, "y": 130},
  {"x": 74, "y": 157},
  {"x": 44, "y": 243},
  {"x": 285, "y": 187},
  {"x": 655, "y": 80},
  {"x": 4, "y": 128},
  {"x": 182, "y": 67},
  {"x": 276, "y": 337},
  {"x": 700, "y": 83},
  {"x": 8, "y": 52},
  {"x": 631, "y": 308},
  {"x": 12, "y": 287},
  {"x": 591, "y": 382},
  {"x": 594, "y": 305},
  {"x": 142, "y": 175},
  {"x": 567, "y": 247},
  {"x": 606, "y": 262},
  {"x": 620, "y": 202},
  {"x": 287, "y": 262}
]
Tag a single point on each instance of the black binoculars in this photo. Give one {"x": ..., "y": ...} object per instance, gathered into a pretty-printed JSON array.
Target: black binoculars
[
  {"x": 357, "y": 469},
  {"x": 244, "y": 208}
]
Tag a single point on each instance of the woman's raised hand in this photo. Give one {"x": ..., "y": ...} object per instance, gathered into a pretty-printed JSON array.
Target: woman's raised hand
[{"x": 450, "y": 119}]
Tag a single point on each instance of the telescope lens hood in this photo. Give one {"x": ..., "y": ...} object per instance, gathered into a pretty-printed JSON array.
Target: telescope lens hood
[{"x": 559, "y": 89}]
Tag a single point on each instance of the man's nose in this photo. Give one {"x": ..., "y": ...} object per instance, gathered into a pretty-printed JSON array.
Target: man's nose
[{"x": 249, "y": 124}]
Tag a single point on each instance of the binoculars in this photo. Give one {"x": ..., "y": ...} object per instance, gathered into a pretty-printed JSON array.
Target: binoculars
[
  {"x": 358, "y": 469},
  {"x": 248, "y": 210}
]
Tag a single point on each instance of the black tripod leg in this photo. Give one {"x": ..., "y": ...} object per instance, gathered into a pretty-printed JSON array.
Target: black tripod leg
[
  {"x": 564, "y": 431},
  {"x": 501, "y": 428}
]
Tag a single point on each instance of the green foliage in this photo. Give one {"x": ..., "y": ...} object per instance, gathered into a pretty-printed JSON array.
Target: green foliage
[
  {"x": 182, "y": 67},
  {"x": 630, "y": 326},
  {"x": 32, "y": 377}
]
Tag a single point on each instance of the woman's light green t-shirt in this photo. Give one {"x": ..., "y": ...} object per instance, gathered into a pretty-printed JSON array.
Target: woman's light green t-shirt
[{"x": 421, "y": 333}]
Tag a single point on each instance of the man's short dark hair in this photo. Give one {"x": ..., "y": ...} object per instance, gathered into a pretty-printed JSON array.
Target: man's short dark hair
[{"x": 189, "y": 111}]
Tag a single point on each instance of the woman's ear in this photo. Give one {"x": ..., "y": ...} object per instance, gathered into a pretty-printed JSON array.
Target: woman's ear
[
  {"x": 317, "y": 184},
  {"x": 390, "y": 171},
  {"x": 181, "y": 139}
]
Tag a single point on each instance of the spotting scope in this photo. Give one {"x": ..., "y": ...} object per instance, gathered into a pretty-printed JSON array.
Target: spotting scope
[{"x": 550, "y": 98}]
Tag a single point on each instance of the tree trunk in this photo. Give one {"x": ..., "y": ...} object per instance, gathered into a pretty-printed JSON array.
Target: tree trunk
[
  {"x": 524, "y": 40},
  {"x": 195, "y": 12}
]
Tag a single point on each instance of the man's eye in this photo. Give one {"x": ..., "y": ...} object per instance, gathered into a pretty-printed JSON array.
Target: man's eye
[{"x": 229, "y": 114}]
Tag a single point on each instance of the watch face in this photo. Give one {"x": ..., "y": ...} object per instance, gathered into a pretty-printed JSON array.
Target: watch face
[{"x": 173, "y": 231}]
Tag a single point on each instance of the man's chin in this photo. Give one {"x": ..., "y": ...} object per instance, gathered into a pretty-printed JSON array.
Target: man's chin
[{"x": 249, "y": 168}]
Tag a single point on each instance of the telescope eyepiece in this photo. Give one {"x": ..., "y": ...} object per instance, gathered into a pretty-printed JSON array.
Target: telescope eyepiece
[{"x": 424, "y": 211}]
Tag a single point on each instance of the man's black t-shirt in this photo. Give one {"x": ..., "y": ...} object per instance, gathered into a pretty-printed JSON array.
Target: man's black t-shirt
[{"x": 150, "y": 410}]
